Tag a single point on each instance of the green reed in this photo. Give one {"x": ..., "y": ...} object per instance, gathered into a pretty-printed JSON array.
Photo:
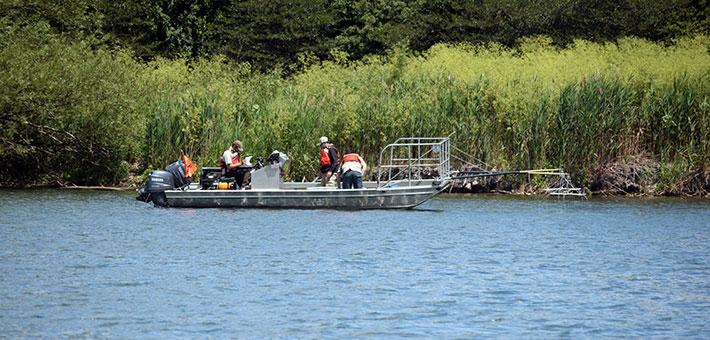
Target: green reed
[{"x": 536, "y": 106}]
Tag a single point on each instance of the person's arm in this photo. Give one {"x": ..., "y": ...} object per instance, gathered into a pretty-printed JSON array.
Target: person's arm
[
  {"x": 227, "y": 159},
  {"x": 364, "y": 165},
  {"x": 227, "y": 156},
  {"x": 238, "y": 163},
  {"x": 333, "y": 160}
]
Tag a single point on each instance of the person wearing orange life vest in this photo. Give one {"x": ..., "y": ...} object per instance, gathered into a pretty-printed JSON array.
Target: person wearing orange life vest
[
  {"x": 232, "y": 165},
  {"x": 353, "y": 168},
  {"x": 328, "y": 160}
]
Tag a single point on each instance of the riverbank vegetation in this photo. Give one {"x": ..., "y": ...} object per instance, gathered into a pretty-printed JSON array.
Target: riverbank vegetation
[{"x": 622, "y": 114}]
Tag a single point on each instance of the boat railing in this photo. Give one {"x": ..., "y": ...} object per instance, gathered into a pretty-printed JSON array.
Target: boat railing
[{"x": 413, "y": 159}]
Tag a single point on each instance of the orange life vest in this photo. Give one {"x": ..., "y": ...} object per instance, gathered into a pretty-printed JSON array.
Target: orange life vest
[
  {"x": 190, "y": 167},
  {"x": 324, "y": 157},
  {"x": 351, "y": 157},
  {"x": 235, "y": 159}
]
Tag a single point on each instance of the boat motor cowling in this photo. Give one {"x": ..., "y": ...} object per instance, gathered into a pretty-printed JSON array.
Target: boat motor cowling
[
  {"x": 159, "y": 181},
  {"x": 179, "y": 172},
  {"x": 154, "y": 188},
  {"x": 177, "y": 175}
]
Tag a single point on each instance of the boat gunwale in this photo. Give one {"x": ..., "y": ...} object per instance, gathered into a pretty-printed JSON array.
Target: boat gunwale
[
  {"x": 305, "y": 193},
  {"x": 318, "y": 189},
  {"x": 225, "y": 196}
]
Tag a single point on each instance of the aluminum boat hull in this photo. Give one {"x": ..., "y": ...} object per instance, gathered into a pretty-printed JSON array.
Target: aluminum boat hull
[{"x": 308, "y": 198}]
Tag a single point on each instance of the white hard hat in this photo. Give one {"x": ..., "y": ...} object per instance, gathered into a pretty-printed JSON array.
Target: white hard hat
[{"x": 324, "y": 139}]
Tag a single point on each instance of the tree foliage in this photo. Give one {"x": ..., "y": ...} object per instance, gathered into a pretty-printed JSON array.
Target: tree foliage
[
  {"x": 273, "y": 32},
  {"x": 280, "y": 32},
  {"x": 66, "y": 111}
]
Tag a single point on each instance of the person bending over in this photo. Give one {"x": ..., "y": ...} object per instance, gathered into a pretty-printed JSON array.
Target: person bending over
[{"x": 353, "y": 168}]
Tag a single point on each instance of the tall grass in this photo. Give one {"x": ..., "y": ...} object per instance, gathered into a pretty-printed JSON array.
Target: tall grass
[{"x": 535, "y": 106}]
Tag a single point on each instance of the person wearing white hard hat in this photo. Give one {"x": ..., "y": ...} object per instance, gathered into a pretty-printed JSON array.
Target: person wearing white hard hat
[{"x": 328, "y": 160}]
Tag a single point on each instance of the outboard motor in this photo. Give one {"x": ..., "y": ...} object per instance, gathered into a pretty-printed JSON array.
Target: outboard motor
[
  {"x": 176, "y": 175},
  {"x": 154, "y": 188},
  {"x": 178, "y": 170}
]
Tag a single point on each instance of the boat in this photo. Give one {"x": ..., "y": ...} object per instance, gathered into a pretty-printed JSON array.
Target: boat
[{"x": 410, "y": 171}]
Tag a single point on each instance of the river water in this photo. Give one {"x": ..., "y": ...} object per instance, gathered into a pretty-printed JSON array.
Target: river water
[{"x": 103, "y": 265}]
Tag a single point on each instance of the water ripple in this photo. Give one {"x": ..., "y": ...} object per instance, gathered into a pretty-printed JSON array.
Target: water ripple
[{"x": 102, "y": 265}]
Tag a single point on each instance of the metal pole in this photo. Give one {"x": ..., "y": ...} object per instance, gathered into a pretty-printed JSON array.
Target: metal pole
[
  {"x": 391, "y": 162},
  {"x": 409, "y": 164}
]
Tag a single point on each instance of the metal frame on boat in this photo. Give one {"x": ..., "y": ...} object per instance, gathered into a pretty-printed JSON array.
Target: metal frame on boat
[{"x": 410, "y": 172}]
